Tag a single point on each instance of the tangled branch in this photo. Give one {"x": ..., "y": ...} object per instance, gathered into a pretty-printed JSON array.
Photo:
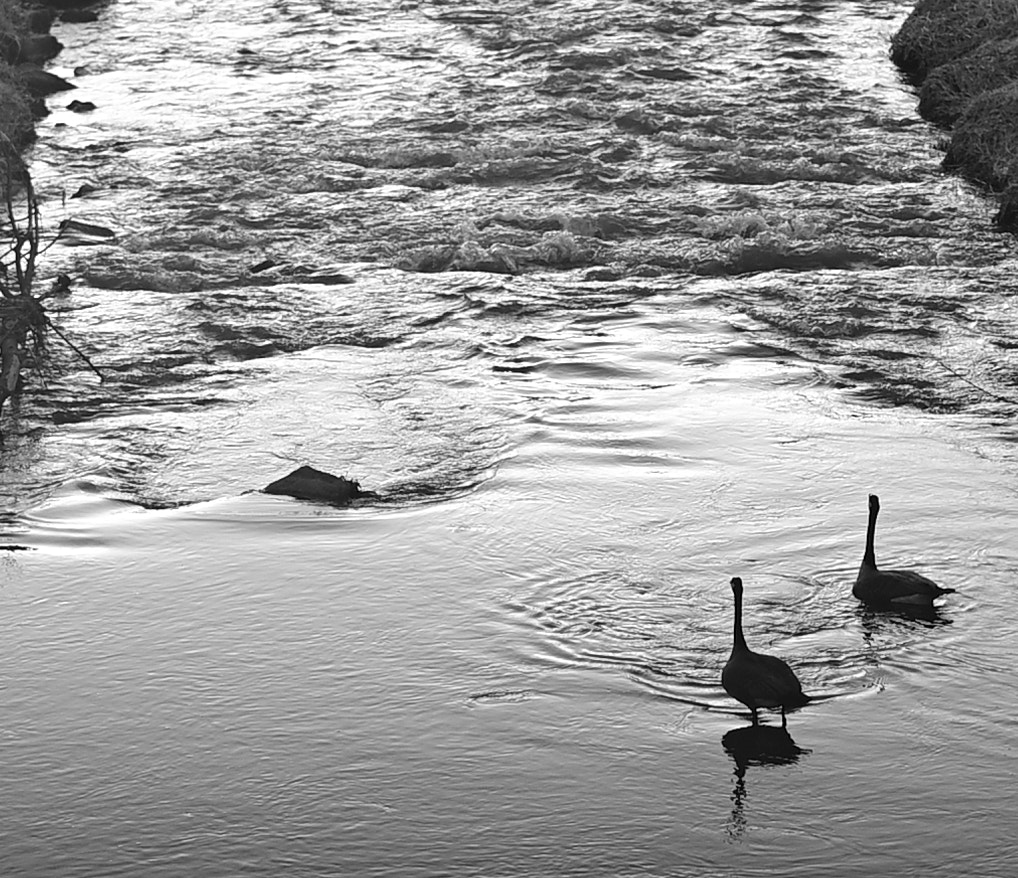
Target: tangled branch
[
  {"x": 23, "y": 318},
  {"x": 21, "y": 315}
]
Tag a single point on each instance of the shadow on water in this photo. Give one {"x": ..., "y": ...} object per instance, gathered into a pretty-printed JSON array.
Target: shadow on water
[
  {"x": 755, "y": 745},
  {"x": 875, "y": 620}
]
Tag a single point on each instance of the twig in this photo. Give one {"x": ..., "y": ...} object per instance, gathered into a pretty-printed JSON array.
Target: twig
[
  {"x": 73, "y": 347},
  {"x": 971, "y": 383}
]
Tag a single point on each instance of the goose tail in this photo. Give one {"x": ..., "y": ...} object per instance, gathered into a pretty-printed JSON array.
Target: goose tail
[{"x": 800, "y": 700}]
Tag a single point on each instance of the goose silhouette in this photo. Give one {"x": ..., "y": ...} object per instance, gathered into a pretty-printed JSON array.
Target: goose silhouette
[
  {"x": 890, "y": 588},
  {"x": 755, "y": 679}
]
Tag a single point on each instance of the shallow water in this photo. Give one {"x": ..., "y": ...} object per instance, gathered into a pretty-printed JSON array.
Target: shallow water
[{"x": 640, "y": 298}]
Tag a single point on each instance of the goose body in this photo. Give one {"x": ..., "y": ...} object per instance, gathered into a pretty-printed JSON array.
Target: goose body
[
  {"x": 888, "y": 588},
  {"x": 755, "y": 679}
]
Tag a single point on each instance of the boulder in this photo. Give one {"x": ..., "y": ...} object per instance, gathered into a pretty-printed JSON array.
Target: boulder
[
  {"x": 308, "y": 483},
  {"x": 39, "y": 83},
  {"x": 79, "y": 16},
  {"x": 38, "y": 49}
]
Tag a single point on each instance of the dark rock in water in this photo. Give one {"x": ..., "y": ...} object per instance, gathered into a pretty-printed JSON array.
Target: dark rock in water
[
  {"x": 325, "y": 278},
  {"x": 78, "y": 16},
  {"x": 77, "y": 227},
  {"x": 61, "y": 285},
  {"x": 81, "y": 106},
  {"x": 308, "y": 483},
  {"x": 39, "y": 83}
]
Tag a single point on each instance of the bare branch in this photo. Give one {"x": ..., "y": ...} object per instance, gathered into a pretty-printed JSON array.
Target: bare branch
[
  {"x": 1008, "y": 399},
  {"x": 74, "y": 348}
]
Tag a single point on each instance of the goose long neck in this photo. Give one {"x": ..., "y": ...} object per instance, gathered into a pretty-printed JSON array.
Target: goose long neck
[
  {"x": 738, "y": 639},
  {"x": 869, "y": 557}
]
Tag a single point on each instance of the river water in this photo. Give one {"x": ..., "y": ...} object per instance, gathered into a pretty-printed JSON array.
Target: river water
[{"x": 609, "y": 302}]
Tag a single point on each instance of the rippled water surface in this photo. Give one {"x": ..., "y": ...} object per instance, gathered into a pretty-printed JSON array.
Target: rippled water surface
[{"x": 609, "y": 302}]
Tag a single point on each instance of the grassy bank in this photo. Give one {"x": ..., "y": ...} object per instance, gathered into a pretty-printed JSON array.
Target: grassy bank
[
  {"x": 25, "y": 46},
  {"x": 17, "y": 121},
  {"x": 963, "y": 56}
]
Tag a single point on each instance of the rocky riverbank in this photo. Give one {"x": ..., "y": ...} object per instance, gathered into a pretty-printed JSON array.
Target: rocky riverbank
[
  {"x": 26, "y": 45},
  {"x": 963, "y": 56}
]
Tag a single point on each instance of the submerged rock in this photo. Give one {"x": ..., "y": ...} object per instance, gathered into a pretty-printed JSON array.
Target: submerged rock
[{"x": 308, "y": 483}]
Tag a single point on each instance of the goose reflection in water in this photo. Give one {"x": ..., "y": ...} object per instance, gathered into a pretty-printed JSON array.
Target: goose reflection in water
[
  {"x": 875, "y": 618},
  {"x": 886, "y": 631},
  {"x": 755, "y": 745}
]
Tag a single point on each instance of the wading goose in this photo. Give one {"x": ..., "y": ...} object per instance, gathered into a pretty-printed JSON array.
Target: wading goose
[
  {"x": 758, "y": 680},
  {"x": 888, "y": 588}
]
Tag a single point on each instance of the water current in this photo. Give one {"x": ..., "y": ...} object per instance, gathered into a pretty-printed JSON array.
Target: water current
[{"x": 609, "y": 301}]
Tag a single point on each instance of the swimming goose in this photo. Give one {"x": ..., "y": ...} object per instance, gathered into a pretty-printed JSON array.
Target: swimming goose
[
  {"x": 887, "y": 588},
  {"x": 758, "y": 680}
]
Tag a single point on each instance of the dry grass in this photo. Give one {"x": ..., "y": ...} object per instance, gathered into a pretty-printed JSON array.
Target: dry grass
[
  {"x": 12, "y": 18},
  {"x": 16, "y": 120},
  {"x": 938, "y": 31},
  {"x": 949, "y": 87},
  {"x": 22, "y": 317}
]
